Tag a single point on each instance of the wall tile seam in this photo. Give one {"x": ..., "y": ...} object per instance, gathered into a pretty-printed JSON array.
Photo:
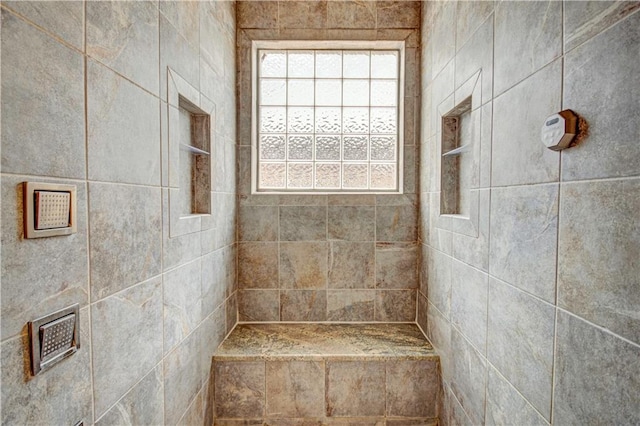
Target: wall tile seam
[
  {"x": 550, "y": 63},
  {"x": 178, "y": 32},
  {"x": 471, "y": 36}
]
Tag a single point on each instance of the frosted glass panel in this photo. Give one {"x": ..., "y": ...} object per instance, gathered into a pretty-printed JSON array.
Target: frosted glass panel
[
  {"x": 273, "y": 64},
  {"x": 327, "y": 147},
  {"x": 356, "y": 120},
  {"x": 273, "y": 119},
  {"x": 327, "y": 175},
  {"x": 355, "y": 147},
  {"x": 383, "y": 147},
  {"x": 384, "y": 64},
  {"x": 355, "y": 92},
  {"x": 300, "y": 92},
  {"x": 356, "y": 64},
  {"x": 355, "y": 176},
  {"x": 383, "y": 120},
  {"x": 273, "y": 92},
  {"x": 272, "y": 147},
  {"x": 383, "y": 176},
  {"x": 329, "y": 92},
  {"x": 300, "y": 147},
  {"x": 301, "y": 64},
  {"x": 271, "y": 175},
  {"x": 384, "y": 93},
  {"x": 328, "y": 64},
  {"x": 328, "y": 120},
  {"x": 300, "y": 175},
  {"x": 300, "y": 120}
]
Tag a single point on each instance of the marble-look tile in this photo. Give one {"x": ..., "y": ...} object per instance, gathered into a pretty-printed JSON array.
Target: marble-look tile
[
  {"x": 239, "y": 389},
  {"x": 396, "y": 223},
  {"x": 520, "y": 342},
  {"x": 184, "y": 17},
  {"x": 303, "y": 305},
  {"x": 127, "y": 340},
  {"x": 350, "y": 305},
  {"x": 524, "y": 228},
  {"x": 598, "y": 270},
  {"x": 124, "y": 36},
  {"x": 303, "y": 223},
  {"x": 231, "y": 311},
  {"x": 355, "y": 388},
  {"x": 212, "y": 332},
  {"x": 351, "y": 265},
  {"x": 182, "y": 378},
  {"x": 475, "y": 250},
  {"x": 48, "y": 100},
  {"x": 477, "y": 54},
  {"x": 469, "y": 16},
  {"x": 194, "y": 413},
  {"x": 421, "y": 314},
  {"x": 437, "y": 237},
  {"x": 527, "y": 37},
  {"x": 259, "y": 305},
  {"x": 123, "y": 126},
  {"x": 213, "y": 279},
  {"x": 178, "y": 54},
  {"x": 605, "y": 370},
  {"x": 585, "y": 19},
  {"x": 441, "y": 36},
  {"x": 258, "y": 265},
  {"x": 395, "y": 305},
  {"x": 469, "y": 377},
  {"x": 469, "y": 289},
  {"x": 412, "y": 388},
  {"x": 351, "y": 223},
  {"x": 516, "y": 142},
  {"x": 506, "y": 406},
  {"x": 605, "y": 68},
  {"x": 257, "y": 14},
  {"x": 439, "y": 333},
  {"x": 294, "y": 389},
  {"x": 257, "y": 223},
  {"x": 124, "y": 247},
  {"x": 302, "y": 14},
  {"x": 143, "y": 404},
  {"x": 47, "y": 398},
  {"x": 439, "y": 285},
  {"x": 303, "y": 265},
  {"x": 457, "y": 414},
  {"x": 182, "y": 294},
  {"x": 34, "y": 281},
  {"x": 398, "y": 14},
  {"x": 62, "y": 18},
  {"x": 396, "y": 265},
  {"x": 351, "y": 14}
]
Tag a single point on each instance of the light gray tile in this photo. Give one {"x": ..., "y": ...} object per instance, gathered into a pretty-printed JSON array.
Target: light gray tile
[
  {"x": 34, "y": 280},
  {"x": 396, "y": 223},
  {"x": 303, "y": 223},
  {"x": 474, "y": 250},
  {"x": 597, "y": 376},
  {"x": 182, "y": 295},
  {"x": 469, "y": 289},
  {"x": 295, "y": 389},
  {"x": 214, "y": 280},
  {"x": 124, "y": 36},
  {"x": 239, "y": 389},
  {"x": 184, "y": 17},
  {"x": 599, "y": 247},
  {"x": 518, "y": 155},
  {"x": 61, "y": 395},
  {"x": 469, "y": 16},
  {"x": 215, "y": 41},
  {"x": 123, "y": 124},
  {"x": 412, "y": 388},
  {"x": 395, "y": 305},
  {"x": 351, "y": 265},
  {"x": 124, "y": 243},
  {"x": 231, "y": 311},
  {"x": 212, "y": 332},
  {"x": 257, "y": 14},
  {"x": 520, "y": 342},
  {"x": 442, "y": 34},
  {"x": 178, "y": 54},
  {"x": 303, "y": 265},
  {"x": 439, "y": 333},
  {"x": 477, "y": 53},
  {"x": 469, "y": 377},
  {"x": 258, "y": 265},
  {"x": 355, "y": 388},
  {"x": 43, "y": 109},
  {"x": 257, "y": 223},
  {"x": 350, "y": 305},
  {"x": 141, "y": 405},
  {"x": 194, "y": 415},
  {"x": 421, "y": 314},
  {"x": 524, "y": 227},
  {"x": 182, "y": 378},
  {"x": 506, "y": 406},
  {"x": 259, "y": 305},
  {"x": 396, "y": 265},
  {"x": 127, "y": 342},
  {"x": 527, "y": 37},
  {"x": 439, "y": 281},
  {"x": 62, "y": 18},
  {"x": 605, "y": 68},
  {"x": 303, "y": 305},
  {"x": 351, "y": 223}
]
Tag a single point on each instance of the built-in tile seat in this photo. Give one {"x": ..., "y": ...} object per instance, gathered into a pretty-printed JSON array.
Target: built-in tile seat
[{"x": 317, "y": 374}]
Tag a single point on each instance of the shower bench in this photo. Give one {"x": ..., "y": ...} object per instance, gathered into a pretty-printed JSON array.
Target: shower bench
[{"x": 326, "y": 374}]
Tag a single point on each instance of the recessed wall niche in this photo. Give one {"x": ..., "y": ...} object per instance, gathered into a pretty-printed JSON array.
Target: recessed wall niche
[{"x": 190, "y": 118}]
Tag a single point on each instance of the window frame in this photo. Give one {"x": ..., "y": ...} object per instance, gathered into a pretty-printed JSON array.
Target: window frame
[{"x": 315, "y": 45}]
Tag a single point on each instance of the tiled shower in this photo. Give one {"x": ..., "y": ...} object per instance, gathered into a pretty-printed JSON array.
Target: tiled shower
[{"x": 531, "y": 300}]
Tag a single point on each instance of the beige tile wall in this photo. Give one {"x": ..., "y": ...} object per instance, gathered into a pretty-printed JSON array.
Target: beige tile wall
[
  {"x": 536, "y": 316},
  {"x": 328, "y": 258},
  {"x": 84, "y": 102}
]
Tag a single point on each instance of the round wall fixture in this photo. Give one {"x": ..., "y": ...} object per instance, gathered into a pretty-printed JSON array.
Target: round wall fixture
[{"x": 563, "y": 130}]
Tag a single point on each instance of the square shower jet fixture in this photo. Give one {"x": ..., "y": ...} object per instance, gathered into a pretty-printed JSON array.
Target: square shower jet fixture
[{"x": 327, "y": 116}]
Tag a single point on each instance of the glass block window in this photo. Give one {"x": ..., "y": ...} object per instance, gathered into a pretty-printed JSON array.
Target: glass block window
[{"x": 328, "y": 120}]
